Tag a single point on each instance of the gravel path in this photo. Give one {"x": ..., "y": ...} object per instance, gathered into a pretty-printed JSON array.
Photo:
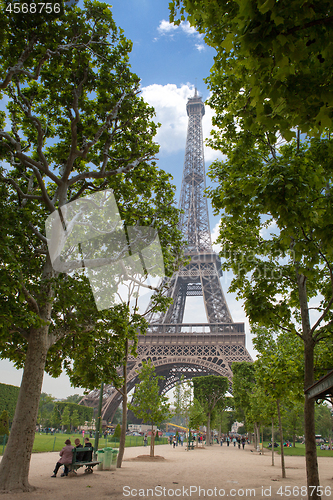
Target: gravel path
[{"x": 215, "y": 472}]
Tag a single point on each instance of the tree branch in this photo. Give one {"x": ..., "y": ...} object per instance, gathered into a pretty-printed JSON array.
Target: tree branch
[
  {"x": 30, "y": 300},
  {"x": 110, "y": 173},
  {"x": 320, "y": 319},
  {"x": 37, "y": 233}
]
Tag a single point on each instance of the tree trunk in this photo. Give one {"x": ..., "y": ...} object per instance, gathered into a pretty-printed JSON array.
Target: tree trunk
[
  {"x": 281, "y": 438},
  {"x": 273, "y": 440},
  {"x": 152, "y": 441},
  {"x": 257, "y": 435},
  {"x": 15, "y": 464},
  {"x": 208, "y": 430},
  {"x": 262, "y": 439},
  {"x": 312, "y": 473},
  {"x": 124, "y": 416}
]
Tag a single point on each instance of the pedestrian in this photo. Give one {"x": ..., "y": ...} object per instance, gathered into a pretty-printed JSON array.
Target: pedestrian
[
  {"x": 174, "y": 441},
  {"x": 234, "y": 440},
  {"x": 66, "y": 457},
  {"x": 145, "y": 440},
  {"x": 182, "y": 439},
  {"x": 221, "y": 441},
  {"x": 243, "y": 442}
]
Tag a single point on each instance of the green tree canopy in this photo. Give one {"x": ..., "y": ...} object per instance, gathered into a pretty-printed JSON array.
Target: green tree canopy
[
  {"x": 147, "y": 402},
  {"x": 75, "y": 124},
  {"x": 276, "y": 205},
  {"x": 210, "y": 391},
  {"x": 272, "y": 63}
]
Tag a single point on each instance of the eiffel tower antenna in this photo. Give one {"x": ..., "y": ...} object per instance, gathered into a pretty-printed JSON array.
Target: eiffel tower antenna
[{"x": 189, "y": 349}]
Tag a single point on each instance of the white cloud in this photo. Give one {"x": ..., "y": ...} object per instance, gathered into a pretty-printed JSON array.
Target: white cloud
[
  {"x": 188, "y": 29},
  {"x": 200, "y": 46},
  {"x": 166, "y": 28},
  {"x": 214, "y": 235},
  {"x": 169, "y": 102}
]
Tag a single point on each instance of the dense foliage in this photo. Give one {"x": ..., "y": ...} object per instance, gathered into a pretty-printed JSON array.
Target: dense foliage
[
  {"x": 8, "y": 399},
  {"x": 75, "y": 125},
  {"x": 273, "y": 62}
]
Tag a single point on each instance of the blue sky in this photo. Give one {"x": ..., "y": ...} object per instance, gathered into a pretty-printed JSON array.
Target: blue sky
[{"x": 170, "y": 61}]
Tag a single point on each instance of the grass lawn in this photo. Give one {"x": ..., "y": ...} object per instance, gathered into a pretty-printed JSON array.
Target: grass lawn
[
  {"x": 47, "y": 442},
  {"x": 299, "y": 450}
]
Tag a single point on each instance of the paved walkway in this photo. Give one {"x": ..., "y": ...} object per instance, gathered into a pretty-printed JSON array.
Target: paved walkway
[{"x": 214, "y": 472}]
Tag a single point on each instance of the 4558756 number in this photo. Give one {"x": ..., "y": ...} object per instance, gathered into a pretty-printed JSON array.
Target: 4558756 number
[{"x": 33, "y": 8}]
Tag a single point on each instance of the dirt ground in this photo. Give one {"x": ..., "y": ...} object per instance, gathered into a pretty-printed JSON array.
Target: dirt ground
[{"x": 216, "y": 472}]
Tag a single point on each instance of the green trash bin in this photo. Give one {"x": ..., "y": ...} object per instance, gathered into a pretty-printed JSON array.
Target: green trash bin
[
  {"x": 100, "y": 458},
  {"x": 114, "y": 459},
  {"x": 107, "y": 461}
]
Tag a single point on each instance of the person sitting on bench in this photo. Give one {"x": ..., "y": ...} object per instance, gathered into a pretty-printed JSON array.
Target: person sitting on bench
[
  {"x": 66, "y": 455},
  {"x": 87, "y": 456},
  {"x": 79, "y": 454}
]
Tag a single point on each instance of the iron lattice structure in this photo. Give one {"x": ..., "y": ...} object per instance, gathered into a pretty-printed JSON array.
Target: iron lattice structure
[{"x": 188, "y": 349}]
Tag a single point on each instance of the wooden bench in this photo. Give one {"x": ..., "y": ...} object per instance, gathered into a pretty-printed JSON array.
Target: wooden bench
[{"x": 72, "y": 468}]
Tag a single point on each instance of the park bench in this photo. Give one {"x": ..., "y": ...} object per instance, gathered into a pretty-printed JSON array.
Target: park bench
[{"x": 72, "y": 468}]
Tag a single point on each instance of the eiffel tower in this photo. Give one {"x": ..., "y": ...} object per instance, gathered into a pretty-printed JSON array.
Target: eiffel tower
[{"x": 188, "y": 349}]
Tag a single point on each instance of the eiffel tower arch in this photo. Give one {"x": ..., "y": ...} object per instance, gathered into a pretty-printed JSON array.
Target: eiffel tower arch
[{"x": 189, "y": 349}]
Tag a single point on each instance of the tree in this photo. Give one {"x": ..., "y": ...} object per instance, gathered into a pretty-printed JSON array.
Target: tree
[
  {"x": 66, "y": 419},
  {"x": 243, "y": 385},
  {"x": 76, "y": 420},
  {"x": 279, "y": 371},
  {"x": 75, "y": 398},
  {"x": 182, "y": 400},
  {"x": 197, "y": 416},
  {"x": 294, "y": 420},
  {"x": 46, "y": 404},
  {"x": 324, "y": 422},
  {"x": 276, "y": 234},
  {"x": 117, "y": 432},
  {"x": 220, "y": 419},
  {"x": 147, "y": 402},
  {"x": 210, "y": 392},
  {"x": 271, "y": 59},
  {"x": 75, "y": 126}
]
